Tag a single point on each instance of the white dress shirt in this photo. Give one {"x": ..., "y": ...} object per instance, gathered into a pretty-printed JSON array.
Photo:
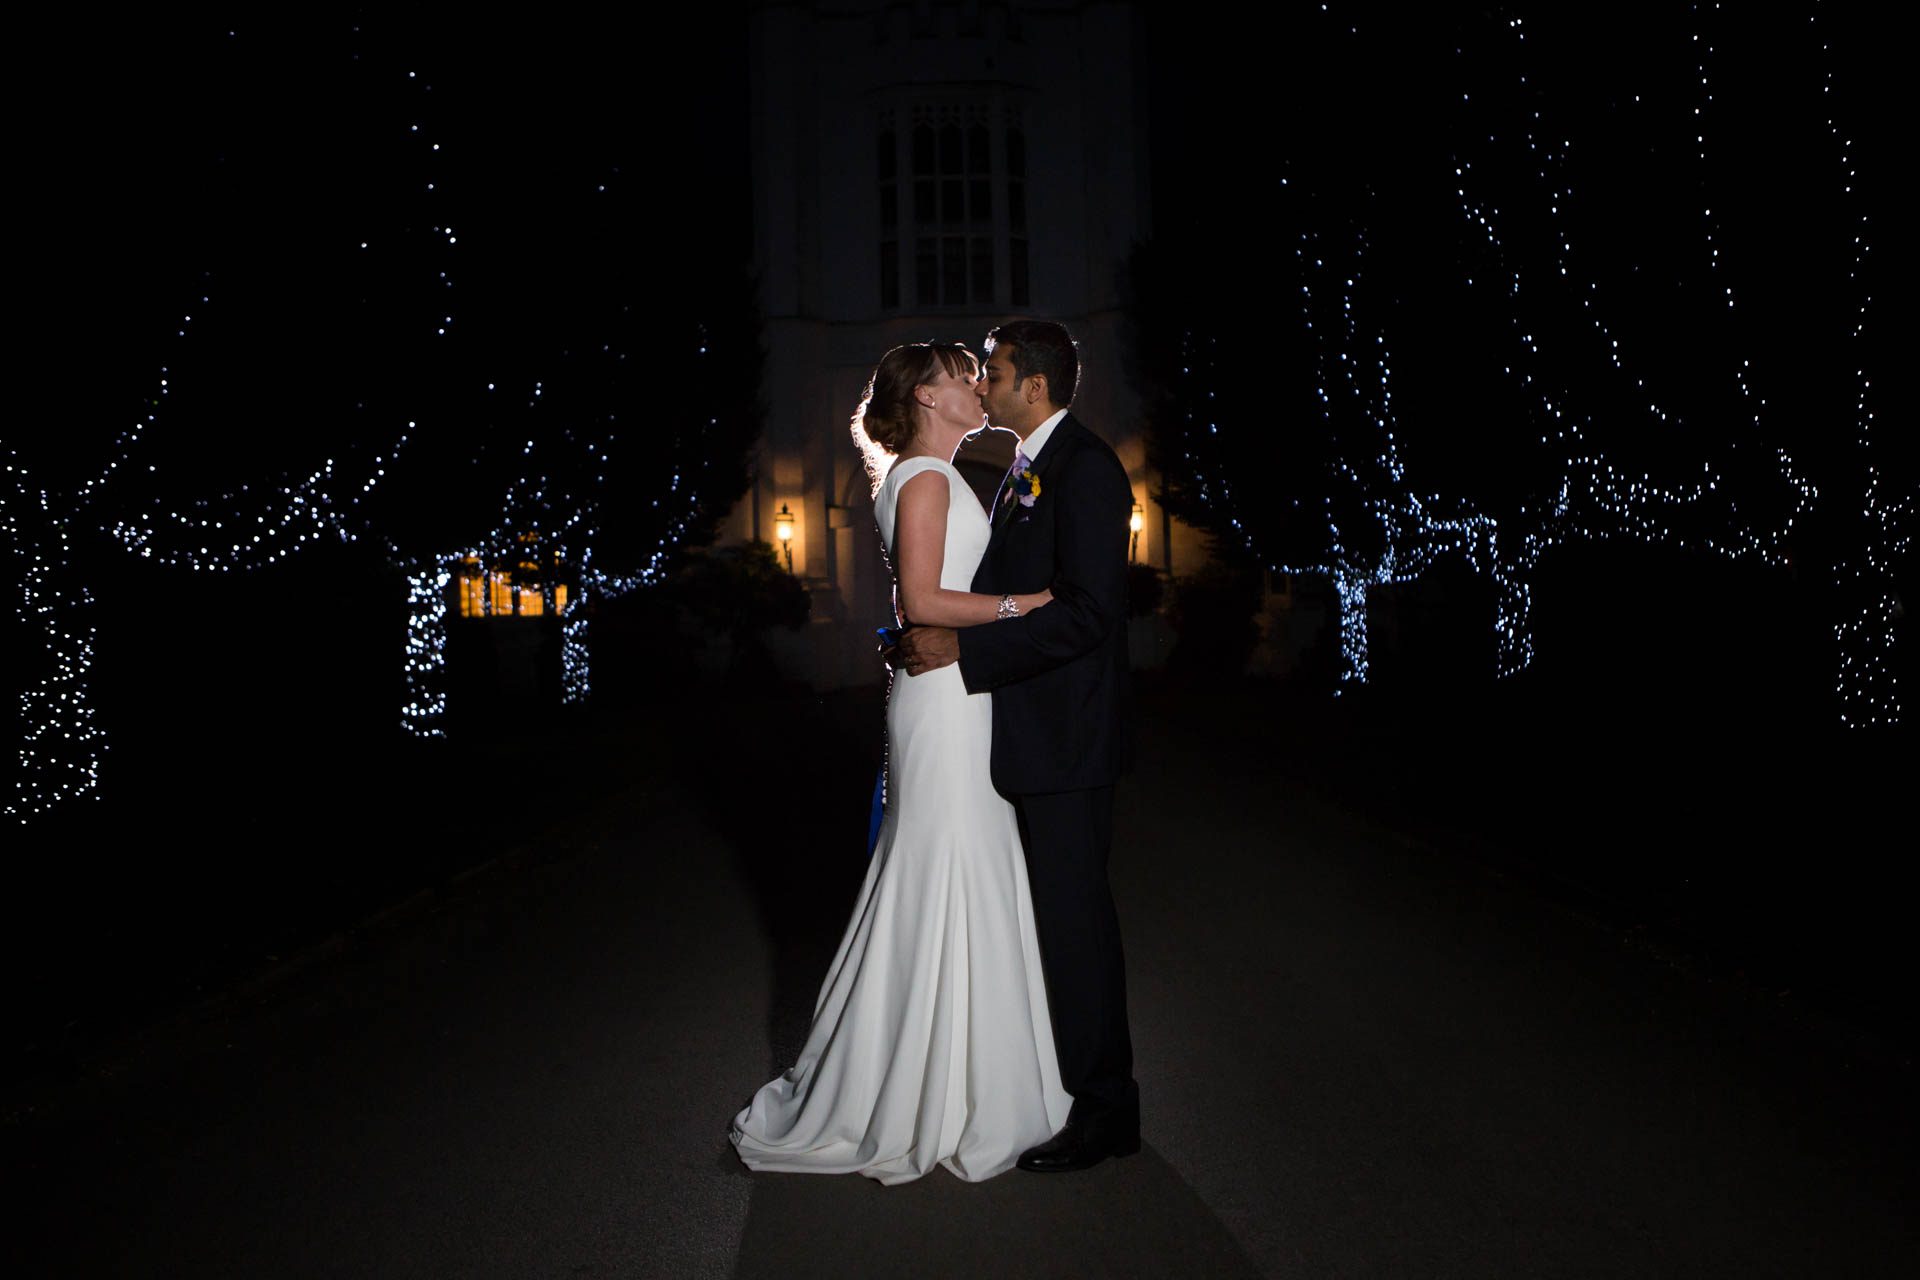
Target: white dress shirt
[{"x": 1034, "y": 443}]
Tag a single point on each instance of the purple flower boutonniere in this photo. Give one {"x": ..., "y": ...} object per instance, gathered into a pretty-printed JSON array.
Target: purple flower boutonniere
[{"x": 1026, "y": 487}]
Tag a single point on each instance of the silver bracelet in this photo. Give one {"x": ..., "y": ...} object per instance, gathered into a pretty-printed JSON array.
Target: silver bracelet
[{"x": 1007, "y": 609}]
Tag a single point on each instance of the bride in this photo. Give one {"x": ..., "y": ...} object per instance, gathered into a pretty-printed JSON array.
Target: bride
[{"x": 931, "y": 1042}]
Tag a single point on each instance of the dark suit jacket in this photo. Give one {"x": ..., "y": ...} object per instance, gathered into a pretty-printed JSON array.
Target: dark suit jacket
[{"x": 1061, "y": 692}]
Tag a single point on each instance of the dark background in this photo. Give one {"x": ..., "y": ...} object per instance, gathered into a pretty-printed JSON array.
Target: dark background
[
  {"x": 258, "y": 792},
  {"x": 1673, "y": 751}
]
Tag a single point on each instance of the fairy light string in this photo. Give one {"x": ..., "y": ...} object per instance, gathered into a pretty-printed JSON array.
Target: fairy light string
[
  {"x": 247, "y": 529},
  {"x": 1380, "y": 531},
  {"x": 61, "y": 744},
  {"x": 1865, "y": 681},
  {"x": 565, "y": 521},
  {"x": 1748, "y": 497},
  {"x": 1595, "y": 497},
  {"x": 254, "y": 527}
]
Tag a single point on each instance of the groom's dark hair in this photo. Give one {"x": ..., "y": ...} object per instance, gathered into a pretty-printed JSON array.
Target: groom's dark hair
[{"x": 1042, "y": 347}]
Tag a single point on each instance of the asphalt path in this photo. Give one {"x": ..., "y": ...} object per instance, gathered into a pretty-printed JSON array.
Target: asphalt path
[{"x": 1357, "y": 1057}]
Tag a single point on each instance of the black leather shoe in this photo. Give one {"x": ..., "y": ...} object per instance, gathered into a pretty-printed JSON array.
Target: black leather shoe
[{"x": 1081, "y": 1144}]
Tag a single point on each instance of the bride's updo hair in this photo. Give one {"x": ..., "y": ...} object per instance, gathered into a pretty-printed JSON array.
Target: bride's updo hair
[{"x": 883, "y": 423}]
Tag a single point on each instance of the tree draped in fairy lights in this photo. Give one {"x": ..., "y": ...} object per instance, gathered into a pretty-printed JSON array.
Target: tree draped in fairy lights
[
  {"x": 418, "y": 383},
  {"x": 1599, "y": 344}
]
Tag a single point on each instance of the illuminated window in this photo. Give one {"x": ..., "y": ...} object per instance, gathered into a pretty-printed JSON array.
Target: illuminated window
[
  {"x": 471, "y": 582},
  {"x": 482, "y": 591}
]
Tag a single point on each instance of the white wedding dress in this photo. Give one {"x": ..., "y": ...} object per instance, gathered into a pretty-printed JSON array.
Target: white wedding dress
[{"x": 930, "y": 1041}]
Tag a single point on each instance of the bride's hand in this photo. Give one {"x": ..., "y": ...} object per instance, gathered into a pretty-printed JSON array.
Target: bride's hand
[{"x": 1029, "y": 603}]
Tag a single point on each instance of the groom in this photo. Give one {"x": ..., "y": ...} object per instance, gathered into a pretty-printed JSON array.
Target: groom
[{"x": 1060, "y": 709}]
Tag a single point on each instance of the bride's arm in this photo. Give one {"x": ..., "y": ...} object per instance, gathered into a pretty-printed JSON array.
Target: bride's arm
[{"x": 920, "y": 546}]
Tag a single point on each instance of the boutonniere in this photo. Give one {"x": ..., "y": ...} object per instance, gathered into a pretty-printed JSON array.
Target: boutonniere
[{"x": 1025, "y": 487}]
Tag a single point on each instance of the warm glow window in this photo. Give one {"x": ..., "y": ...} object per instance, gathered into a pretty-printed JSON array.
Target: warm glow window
[
  {"x": 953, "y": 208},
  {"x": 520, "y": 590}
]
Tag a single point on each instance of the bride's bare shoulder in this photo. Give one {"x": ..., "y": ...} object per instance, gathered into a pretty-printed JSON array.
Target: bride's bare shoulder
[
  {"x": 914, "y": 471},
  {"x": 926, "y": 487}
]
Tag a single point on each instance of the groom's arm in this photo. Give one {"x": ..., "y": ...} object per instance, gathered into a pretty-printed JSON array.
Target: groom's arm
[{"x": 1089, "y": 582}]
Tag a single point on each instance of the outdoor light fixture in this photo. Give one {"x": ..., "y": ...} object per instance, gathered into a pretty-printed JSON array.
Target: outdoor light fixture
[
  {"x": 1136, "y": 522},
  {"x": 783, "y": 530}
]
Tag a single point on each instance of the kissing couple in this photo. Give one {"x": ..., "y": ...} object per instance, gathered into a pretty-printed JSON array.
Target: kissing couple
[{"x": 975, "y": 1015}]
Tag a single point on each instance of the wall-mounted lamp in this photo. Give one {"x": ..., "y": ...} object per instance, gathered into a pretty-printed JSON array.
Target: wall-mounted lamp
[
  {"x": 783, "y": 530},
  {"x": 1136, "y": 522}
]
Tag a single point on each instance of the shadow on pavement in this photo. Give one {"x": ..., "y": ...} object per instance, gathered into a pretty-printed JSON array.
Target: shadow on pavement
[
  {"x": 1132, "y": 1217},
  {"x": 795, "y": 819}
]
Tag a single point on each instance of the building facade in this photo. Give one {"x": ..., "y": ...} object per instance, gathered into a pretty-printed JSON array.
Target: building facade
[{"x": 923, "y": 171}]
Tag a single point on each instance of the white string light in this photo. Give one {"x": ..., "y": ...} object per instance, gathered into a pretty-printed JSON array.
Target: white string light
[
  {"x": 256, "y": 527},
  {"x": 243, "y": 530},
  {"x": 567, "y": 525},
  {"x": 1865, "y": 682},
  {"x": 60, "y": 746},
  {"x": 1594, "y": 497}
]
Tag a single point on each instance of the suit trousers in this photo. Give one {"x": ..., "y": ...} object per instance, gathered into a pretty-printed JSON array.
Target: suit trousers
[{"x": 1067, "y": 835}]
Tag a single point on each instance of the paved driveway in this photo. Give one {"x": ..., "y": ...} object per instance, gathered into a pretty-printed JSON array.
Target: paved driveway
[{"x": 1357, "y": 1058}]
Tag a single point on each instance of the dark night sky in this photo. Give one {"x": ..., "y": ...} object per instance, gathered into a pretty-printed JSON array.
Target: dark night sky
[
  {"x": 582, "y": 168},
  {"x": 178, "y": 161},
  {"x": 1367, "y": 127},
  {"x": 264, "y": 156}
]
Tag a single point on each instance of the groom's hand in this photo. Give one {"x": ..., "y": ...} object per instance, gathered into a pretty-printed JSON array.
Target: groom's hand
[{"x": 925, "y": 649}]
